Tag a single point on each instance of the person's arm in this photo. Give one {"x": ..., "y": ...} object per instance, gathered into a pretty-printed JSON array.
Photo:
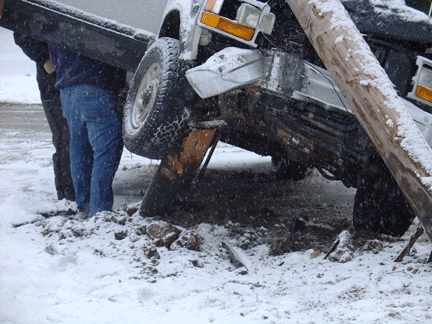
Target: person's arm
[{"x": 37, "y": 51}]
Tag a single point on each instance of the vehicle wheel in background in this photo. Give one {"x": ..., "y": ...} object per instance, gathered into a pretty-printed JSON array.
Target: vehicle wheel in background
[
  {"x": 285, "y": 168},
  {"x": 380, "y": 206},
  {"x": 156, "y": 110}
]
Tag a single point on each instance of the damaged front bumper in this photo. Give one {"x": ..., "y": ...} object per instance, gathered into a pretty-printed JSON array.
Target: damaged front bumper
[{"x": 281, "y": 75}]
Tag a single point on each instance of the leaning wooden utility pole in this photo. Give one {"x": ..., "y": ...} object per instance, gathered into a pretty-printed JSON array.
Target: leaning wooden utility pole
[{"x": 372, "y": 98}]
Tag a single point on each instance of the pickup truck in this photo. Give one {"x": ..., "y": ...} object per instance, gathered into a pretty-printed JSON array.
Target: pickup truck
[{"x": 246, "y": 69}]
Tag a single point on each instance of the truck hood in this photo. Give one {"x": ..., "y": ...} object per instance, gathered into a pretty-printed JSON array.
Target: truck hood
[{"x": 390, "y": 18}]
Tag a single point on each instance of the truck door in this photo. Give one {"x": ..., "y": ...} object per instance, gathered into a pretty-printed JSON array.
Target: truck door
[{"x": 143, "y": 14}]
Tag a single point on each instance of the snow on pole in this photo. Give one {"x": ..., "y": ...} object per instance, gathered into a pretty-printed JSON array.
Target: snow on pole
[{"x": 372, "y": 98}]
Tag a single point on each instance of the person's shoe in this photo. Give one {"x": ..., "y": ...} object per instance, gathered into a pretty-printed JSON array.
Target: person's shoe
[
  {"x": 80, "y": 216},
  {"x": 66, "y": 212}
]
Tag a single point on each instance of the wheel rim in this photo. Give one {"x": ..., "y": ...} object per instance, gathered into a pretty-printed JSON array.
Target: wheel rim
[{"x": 146, "y": 95}]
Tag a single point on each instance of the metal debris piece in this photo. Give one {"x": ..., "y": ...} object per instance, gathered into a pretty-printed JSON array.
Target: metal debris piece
[
  {"x": 334, "y": 246},
  {"x": 410, "y": 244},
  {"x": 238, "y": 257},
  {"x": 314, "y": 254}
]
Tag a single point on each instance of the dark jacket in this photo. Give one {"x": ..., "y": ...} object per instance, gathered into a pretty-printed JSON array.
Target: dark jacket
[
  {"x": 38, "y": 52},
  {"x": 74, "y": 69}
]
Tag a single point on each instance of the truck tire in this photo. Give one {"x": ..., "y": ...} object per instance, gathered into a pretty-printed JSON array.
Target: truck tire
[
  {"x": 380, "y": 207},
  {"x": 155, "y": 113}
]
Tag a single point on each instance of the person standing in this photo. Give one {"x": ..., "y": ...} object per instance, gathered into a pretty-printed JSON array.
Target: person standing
[
  {"x": 50, "y": 97},
  {"x": 88, "y": 91}
]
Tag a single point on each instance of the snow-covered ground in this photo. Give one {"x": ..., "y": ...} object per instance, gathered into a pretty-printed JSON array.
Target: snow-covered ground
[{"x": 105, "y": 270}]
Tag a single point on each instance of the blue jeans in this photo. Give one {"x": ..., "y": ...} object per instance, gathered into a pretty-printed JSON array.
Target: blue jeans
[{"x": 95, "y": 144}]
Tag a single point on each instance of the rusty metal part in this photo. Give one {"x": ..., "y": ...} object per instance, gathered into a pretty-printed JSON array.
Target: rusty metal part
[
  {"x": 229, "y": 107},
  {"x": 194, "y": 147},
  {"x": 201, "y": 172},
  {"x": 1, "y": 6},
  {"x": 240, "y": 116},
  {"x": 298, "y": 148},
  {"x": 175, "y": 175},
  {"x": 410, "y": 244}
]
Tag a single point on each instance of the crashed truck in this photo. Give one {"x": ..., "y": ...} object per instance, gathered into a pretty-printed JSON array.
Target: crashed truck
[{"x": 244, "y": 72}]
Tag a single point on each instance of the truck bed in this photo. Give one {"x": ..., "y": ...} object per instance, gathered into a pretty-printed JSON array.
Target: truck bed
[{"x": 102, "y": 39}]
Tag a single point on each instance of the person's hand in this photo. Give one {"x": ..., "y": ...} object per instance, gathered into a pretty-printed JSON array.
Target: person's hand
[{"x": 49, "y": 68}]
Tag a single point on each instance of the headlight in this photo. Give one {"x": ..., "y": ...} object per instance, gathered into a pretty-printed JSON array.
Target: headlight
[
  {"x": 249, "y": 16},
  {"x": 267, "y": 23},
  {"x": 422, "y": 89}
]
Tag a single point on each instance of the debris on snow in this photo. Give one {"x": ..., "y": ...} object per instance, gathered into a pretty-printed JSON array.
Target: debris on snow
[
  {"x": 163, "y": 233},
  {"x": 238, "y": 257},
  {"x": 375, "y": 246},
  {"x": 150, "y": 251},
  {"x": 58, "y": 269},
  {"x": 410, "y": 244},
  {"x": 187, "y": 239},
  {"x": 344, "y": 251},
  {"x": 120, "y": 235}
]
